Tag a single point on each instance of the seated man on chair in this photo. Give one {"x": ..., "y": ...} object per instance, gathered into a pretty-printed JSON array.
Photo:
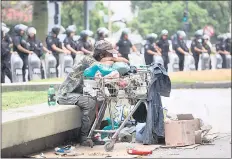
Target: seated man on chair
[{"x": 71, "y": 90}]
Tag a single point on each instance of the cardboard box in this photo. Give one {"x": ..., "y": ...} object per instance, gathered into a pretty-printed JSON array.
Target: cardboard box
[{"x": 181, "y": 132}]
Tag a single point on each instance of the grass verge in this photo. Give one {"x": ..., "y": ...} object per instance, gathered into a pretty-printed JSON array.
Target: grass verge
[{"x": 24, "y": 98}]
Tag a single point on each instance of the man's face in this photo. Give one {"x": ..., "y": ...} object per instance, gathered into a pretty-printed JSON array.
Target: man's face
[
  {"x": 125, "y": 36},
  {"x": 22, "y": 32},
  {"x": 31, "y": 35},
  {"x": 164, "y": 37},
  {"x": 72, "y": 34}
]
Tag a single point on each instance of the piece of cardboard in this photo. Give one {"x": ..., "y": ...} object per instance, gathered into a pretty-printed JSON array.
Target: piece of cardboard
[
  {"x": 185, "y": 117},
  {"x": 180, "y": 133},
  {"x": 198, "y": 138}
]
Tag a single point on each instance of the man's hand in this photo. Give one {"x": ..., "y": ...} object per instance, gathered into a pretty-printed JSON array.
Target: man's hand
[
  {"x": 67, "y": 52},
  {"x": 30, "y": 52}
]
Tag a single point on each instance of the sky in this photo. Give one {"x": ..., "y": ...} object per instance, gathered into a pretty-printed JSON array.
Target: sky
[{"x": 121, "y": 9}]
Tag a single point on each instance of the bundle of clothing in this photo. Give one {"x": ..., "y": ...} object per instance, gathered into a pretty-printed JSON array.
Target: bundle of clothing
[{"x": 153, "y": 116}]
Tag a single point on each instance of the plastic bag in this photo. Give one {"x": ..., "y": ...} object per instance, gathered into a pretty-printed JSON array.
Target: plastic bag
[{"x": 121, "y": 67}]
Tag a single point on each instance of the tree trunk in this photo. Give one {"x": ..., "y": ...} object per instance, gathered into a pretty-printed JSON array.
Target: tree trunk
[{"x": 40, "y": 19}]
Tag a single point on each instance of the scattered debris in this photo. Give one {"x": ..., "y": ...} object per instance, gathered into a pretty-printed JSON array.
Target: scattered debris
[{"x": 138, "y": 152}]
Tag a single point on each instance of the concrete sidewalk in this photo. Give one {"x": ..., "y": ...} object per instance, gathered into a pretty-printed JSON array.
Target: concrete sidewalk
[{"x": 43, "y": 86}]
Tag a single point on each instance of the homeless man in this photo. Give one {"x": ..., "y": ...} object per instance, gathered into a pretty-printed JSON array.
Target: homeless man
[{"x": 71, "y": 90}]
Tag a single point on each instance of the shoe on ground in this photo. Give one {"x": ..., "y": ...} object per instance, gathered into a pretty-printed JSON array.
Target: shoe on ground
[{"x": 64, "y": 150}]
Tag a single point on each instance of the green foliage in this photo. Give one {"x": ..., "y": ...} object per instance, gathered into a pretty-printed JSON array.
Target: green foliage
[
  {"x": 154, "y": 16},
  {"x": 73, "y": 13}
]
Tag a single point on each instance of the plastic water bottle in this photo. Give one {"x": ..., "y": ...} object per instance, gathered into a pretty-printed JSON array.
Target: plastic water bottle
[{"x": 51, "y": 96}]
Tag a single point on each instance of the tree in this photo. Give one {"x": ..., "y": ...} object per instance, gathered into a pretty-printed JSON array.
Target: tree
[
  {"x": 153, "y": 16},
  {"x": 40, "y": 19},
  {"x": 73, "y": 13}
]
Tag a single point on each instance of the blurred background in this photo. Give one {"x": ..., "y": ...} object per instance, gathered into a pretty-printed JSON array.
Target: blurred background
[{"x": 142, "y": 17}]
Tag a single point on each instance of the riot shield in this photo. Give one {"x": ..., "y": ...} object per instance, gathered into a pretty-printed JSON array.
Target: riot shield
[
  {"x": 16, "y": 68},
  {"x": 34, "y": 65},
  {"x": 50, "y": 66}
]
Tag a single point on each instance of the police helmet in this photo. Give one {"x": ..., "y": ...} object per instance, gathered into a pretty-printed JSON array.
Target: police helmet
[
  {"x": 84, "y": 34},
  {"x": 5, "y": 30},
  {"x": 58, "y": 29},
  {"x": 3, "y": 24},
  {"x": 199, "y": 33},
  {"x": 164, "y": 32},
  {"x": 102, "y": 32},
  {"x": 151, "y": 37},
  {"x": 206, "y": 37},
  {"x": 20, "y": 27},
  {"x": 31, "y": 30},
  {"x": 89, "y": 32},
  {"x": 228, "y": 35},
  {"x": 71, "y": 29},
  {"x": 181, "y": 33}
]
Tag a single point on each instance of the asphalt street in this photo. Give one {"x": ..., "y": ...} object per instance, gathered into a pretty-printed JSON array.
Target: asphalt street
[{"x": 213, "y": 106}]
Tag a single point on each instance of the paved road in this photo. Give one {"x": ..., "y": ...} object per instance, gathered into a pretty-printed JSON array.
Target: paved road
[{"x": 211, "y": 105}]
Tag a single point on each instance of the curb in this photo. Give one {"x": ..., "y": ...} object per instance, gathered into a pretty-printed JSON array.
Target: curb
[{"x": 44, "y": 86}]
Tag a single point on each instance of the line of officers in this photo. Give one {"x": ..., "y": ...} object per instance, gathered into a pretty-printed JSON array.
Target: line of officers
[
  {"x": 25, "y": 42},
  {"x": 200, "y": 44}
]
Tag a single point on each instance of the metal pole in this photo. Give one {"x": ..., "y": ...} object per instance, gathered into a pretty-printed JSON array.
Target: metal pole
[
  {"x": 109, "y": 19},
  {"x": 86, "y": 15}
]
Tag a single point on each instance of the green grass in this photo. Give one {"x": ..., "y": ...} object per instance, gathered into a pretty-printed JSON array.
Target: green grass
[
  {"x": 48, "y": 80},
  {"x": 23, "y": 98}
]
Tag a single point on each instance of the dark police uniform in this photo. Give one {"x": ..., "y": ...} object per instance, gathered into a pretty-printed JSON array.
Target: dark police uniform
[
  {"x": 50, "y": 40},
  {"x": 164, "y": 45},
  {"x": 85, "y": 44},
  {"x": 18, "y": 40},
  {"x": 124, "y": 47},
  {"x": 228, "y": 45},
  {"x": 72, "y": 43},
  {"x": 180, "y": 43},
  {"x": 148, "y": 57},
  {"x": 221, "y": 46},
  {"x": 196, "y": 54},
  {"x": 37, "y": 47},
  {"x": 5, "y": 61}
]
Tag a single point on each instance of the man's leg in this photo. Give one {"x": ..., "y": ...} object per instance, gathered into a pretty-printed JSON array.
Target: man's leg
[
  {"x": 87, "y": 106},
  {"x": 223, "y": 60},
  {"x": 57, "y": 63},
  {"x": 181, "y": 63},
  {"x": 2, "y": 74},
  {"x": 196, "y": 58}
]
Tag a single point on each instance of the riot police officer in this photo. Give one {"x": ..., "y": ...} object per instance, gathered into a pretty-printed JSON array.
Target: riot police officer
[
  {"x": 124, "y": 45},
  {"x": 180, "y": 48},
  {"x": 197, "y": 47},
  {"x": 5, "y": 56},
  {"x": 102, "y": 33},
  {"x": 55, "y": 45},
  {"x": 163, "y": 44},
  {"x": 7, "y": 38},
  {"x": 69, "y": 42},
  {"x": 36, "y": 46},
  {"x": 228, "y": 43},
  {"x": 150, "y": 49},
  {"x": 21, "y": 47},
  {"x": 84, "y": 44},
  {"x": 207, "y": 46},
  {"x": 221, "y": 48}
]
